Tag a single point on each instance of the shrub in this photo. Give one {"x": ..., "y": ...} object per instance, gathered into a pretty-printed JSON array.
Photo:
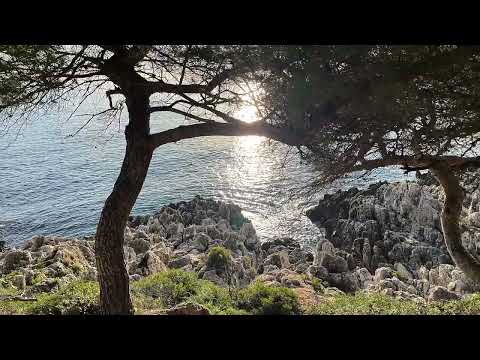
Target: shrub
[
  {"x": 169, "y": 288},
  {"x": 75, "y": 298},
  {"x": 366, "y": 304},
  {"x": 214, "y": 298},
  {"x": 219, "y": 257},
  {"x": 381, "y": 304},
  {"x": 261, "y": 299},
  {"x": 317, "y": 285}
]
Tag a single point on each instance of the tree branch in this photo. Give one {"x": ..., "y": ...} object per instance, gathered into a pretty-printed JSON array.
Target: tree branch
[{"x": 222, "y": 129}]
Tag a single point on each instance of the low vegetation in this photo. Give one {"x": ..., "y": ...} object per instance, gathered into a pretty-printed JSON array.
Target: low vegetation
[
  {"x": 219, "y": 257},
  {"x": 380, "y": 304},
  {"x": 172, "y": 287}
]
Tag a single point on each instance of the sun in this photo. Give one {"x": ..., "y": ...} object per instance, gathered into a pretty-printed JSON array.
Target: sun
[{"x": 247, "y": 113}]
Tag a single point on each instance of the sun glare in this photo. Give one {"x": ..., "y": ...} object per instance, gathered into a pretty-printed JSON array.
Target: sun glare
[{"x": 247, "y": 113}]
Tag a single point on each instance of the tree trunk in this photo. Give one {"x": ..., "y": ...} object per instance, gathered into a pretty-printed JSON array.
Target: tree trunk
[
  {"x": 109, "y": 239},
  {"x": 452, "y": 208}
]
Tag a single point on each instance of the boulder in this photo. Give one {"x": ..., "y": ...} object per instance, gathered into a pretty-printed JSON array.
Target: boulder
[
  {"x": 152, "y": 263},
  {"x": 402, "y": 271},
  {"x": 333, "y": 263},
  {"x": 439, "y": 293},
  {"x": 318, "y": 271},
  {"x": 279, "y": 259},
  {"x": 188, "y": 309},
  {"x": 140, "y": 245},
  {"x": 201, "y": 241},
  {"x": 16, "y": 259},
  {"x": 382, "y": 274},
  {"x": 211, "y": 275}
]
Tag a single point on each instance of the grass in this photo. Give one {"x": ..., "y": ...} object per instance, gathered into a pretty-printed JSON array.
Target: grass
[
  {"x": 380, "y": 304},
  {"x": 75, "y": 298},
  {"x": 172, "y": 287}
]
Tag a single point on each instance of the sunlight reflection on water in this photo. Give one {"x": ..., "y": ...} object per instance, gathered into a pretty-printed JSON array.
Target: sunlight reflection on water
[{"x": 55, "y": 184}]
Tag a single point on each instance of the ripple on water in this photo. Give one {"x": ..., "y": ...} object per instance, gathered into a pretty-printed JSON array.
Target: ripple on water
[{"x": 56, "y": 185}]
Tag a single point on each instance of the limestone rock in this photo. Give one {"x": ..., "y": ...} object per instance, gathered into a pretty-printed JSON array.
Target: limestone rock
[
  {"x": 333, "y": 263},
  {"x": 439, "y": 293},
  {"x": 16, "y": 259},
  {"x": 188, "y": 309}
]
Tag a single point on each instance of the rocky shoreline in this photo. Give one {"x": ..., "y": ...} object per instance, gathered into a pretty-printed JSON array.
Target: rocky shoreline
[{"x": 385, "y": 239}]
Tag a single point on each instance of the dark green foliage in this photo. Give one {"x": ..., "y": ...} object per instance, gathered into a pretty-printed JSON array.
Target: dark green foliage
[
  {"x": 261, "y": 299},
  {"x": 219, "y": 257},
  {"x": 76, "y": 298},
  {"x": 216, "y": 299},
  {"x": 170, "y": 287}
]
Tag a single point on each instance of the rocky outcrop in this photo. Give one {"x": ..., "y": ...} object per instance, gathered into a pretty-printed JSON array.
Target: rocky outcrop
[
  {"x": 383, "y": 239},
  {"x": 393, "y": 231},
  {"x": 394, "y": 223}
]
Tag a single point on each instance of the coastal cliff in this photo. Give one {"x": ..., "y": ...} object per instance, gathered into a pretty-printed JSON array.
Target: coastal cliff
[{"x": 383, "y": 240}]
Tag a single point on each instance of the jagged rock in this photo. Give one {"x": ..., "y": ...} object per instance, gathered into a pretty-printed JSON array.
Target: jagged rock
[
  {"x": 402, "y": 271},
  {"x": 279, "y": 259},
  {"x": 207, "y": 221},
  {"x": 382, "y": 274},
  {"x": 347, "y": 282},
  {"x": 439, "y": 293},
  {"x": 28, "y": 274},
  {"x": 16, "y": 259},
  {"x": 174, "y": 229},
  {"x": 318, "y": 271},
  {"x": 364, "y": 277},
  {"x": 423, "y": 273},
  {"x": 333, "y": 263},
  {"x": 71, "y": 257},
  {"x": 152, "y": 263},
  {"x": 140, "y": 245},
  {"x": 247, "y": 230},
  {"x": 212, "y": 276},
  {"x": 301, "y": 268},
  {"x": 201, "y": 241}
]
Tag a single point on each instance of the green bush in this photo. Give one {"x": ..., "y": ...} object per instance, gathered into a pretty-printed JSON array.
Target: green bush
[
  {"x": 366, "y": 304},
  {"x": 75, "y": 298},
  {"x": 261, "y": 299},
  {"x": 214, "y": 298},
  {"x": 169, "y": 288},
  {"x": 219, "y": 257},
  {"x": 381, "y": 304}
]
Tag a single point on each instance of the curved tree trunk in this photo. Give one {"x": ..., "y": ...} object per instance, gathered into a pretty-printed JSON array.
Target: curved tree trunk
[
  {"x": 109, "y": 239},
  {"x": 452, "y": 208}
]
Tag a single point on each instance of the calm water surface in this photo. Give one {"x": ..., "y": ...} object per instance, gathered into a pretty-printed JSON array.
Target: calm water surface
[{"x": 51, "y": 183}]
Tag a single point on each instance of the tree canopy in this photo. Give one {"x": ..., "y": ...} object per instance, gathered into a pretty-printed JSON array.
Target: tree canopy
[
  {"x": 346, "y": 108},
  {"x": 359, "y": 108}
]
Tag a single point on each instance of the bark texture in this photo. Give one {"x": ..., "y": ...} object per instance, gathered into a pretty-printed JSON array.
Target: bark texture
[
  {"x": 452, "y": 208},
  {"x": 109, "y": 239}
]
